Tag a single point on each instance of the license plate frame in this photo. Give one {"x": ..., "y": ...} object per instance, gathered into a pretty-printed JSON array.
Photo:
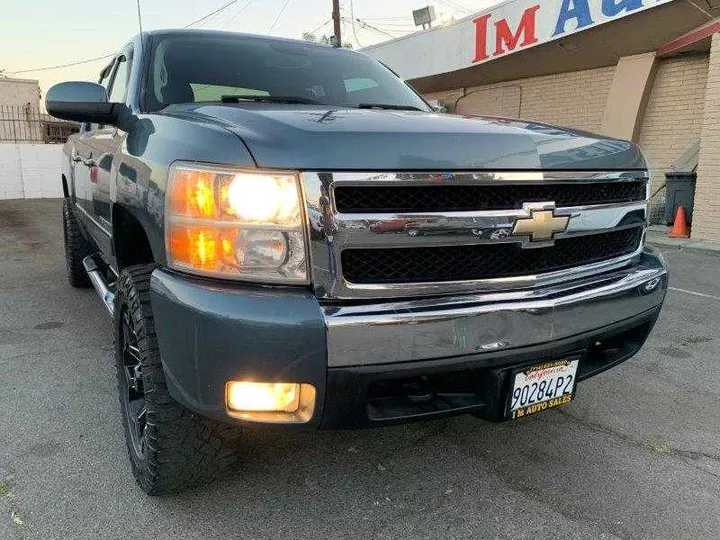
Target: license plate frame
[{"x": 543, "y": 371}]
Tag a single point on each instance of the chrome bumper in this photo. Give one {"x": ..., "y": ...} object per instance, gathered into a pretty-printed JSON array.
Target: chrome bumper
[{"x": 455, "y": 326}]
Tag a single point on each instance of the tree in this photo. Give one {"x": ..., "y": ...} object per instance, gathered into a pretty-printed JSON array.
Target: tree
[{"x": 323, "y": 40}]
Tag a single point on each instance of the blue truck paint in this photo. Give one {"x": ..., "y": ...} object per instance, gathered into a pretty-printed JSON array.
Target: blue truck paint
[
  {"x": 211, "y": 331},
  {"x": 323, "y": 138}
]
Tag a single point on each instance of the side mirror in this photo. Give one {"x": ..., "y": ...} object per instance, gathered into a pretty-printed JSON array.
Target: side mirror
[{"x": 82, "y": 102}]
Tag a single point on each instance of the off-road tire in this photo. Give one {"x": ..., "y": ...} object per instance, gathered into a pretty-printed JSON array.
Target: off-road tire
[
  {"x": 181, "y": 448},
  {"x": 76, "y": 247}
]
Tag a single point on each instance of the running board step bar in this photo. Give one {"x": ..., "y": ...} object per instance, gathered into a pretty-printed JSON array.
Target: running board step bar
[{"x": 96, "y": 272}]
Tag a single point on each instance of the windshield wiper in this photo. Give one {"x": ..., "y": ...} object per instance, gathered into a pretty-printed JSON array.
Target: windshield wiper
[
  {"x": 268, "y": 99},
  {"x": 388, "y": 107}
]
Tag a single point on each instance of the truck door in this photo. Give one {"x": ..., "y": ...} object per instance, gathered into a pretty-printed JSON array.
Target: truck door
[
  {"x": 90, "y": 156},
  {"x": 107, "y": 142},
  {"x": 79, "y": 172}
]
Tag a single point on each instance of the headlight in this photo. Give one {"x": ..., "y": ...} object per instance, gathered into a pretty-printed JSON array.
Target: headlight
[{"x": 235, "y": 224}]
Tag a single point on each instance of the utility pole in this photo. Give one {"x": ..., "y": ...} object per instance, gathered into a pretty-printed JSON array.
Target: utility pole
[{"x": 336, "y": 21}]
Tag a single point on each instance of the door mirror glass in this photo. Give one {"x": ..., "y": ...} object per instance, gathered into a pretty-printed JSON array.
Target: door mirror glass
[{"x": 81, "y": 102}]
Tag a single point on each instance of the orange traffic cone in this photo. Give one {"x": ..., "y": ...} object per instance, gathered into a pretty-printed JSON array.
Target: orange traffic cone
[{"x": 680, "y": 228}]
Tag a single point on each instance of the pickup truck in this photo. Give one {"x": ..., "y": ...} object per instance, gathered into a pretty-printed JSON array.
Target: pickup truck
[{"x": 287, "y": 234}]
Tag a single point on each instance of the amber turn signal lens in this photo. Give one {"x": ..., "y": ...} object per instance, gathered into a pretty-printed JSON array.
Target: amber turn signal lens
[
  {"x": 201, "y": 247},
  {"x": 192, "y": 194}
]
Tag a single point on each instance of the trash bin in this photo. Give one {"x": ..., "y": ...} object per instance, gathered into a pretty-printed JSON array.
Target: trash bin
[{"x": 680, "y": 192}]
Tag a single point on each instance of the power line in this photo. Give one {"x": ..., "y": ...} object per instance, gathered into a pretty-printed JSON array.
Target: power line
[
  {"x": 383, "y": 23},
  {"x": 455, "y": 5},
  {"x": 218, "y": 10},
  {"x": 388, "y": 19},
  {"x": 371, "y": 27},
  {"x": 237, "y": 14},
  {"x": 392, "y": 25},
  {"x": 323, "y": 25},
  {"x": 48, "y": 68},
  {"x": 104, "y": 57},
  {"x": 282, "y": 10},
  {"x": 352, "y": 18}
]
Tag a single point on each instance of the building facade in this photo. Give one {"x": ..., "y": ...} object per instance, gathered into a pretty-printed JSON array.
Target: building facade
[
  {"x": 19, "y": 110},
  {"x": 643, "y": 70},
  {"x": 19, "y": 92}
]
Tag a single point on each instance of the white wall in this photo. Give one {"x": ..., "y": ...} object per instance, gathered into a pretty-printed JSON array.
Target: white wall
[{"x": 30, "y": 171}]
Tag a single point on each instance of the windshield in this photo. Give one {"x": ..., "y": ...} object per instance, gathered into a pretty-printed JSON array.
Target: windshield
[{"x": 201, "y": 68}]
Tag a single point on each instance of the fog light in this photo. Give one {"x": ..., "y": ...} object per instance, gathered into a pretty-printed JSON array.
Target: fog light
[
  {"x": 268, "y": 397},
  {"x": 270, "y": 402}
]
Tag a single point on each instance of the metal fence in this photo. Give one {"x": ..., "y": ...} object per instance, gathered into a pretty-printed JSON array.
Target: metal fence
[{"x": 27, "y": 124}]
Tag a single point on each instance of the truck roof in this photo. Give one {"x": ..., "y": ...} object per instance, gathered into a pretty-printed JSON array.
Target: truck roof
[{"x": 224, "y": 33}]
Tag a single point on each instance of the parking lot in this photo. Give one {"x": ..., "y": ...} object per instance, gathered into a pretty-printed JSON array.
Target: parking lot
[{"x": 637, "y": 455}]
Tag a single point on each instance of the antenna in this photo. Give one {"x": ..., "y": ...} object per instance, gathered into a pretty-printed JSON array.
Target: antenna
[
  {"x": 139, "y": 18},
  {"x": 141, "y": 29}
]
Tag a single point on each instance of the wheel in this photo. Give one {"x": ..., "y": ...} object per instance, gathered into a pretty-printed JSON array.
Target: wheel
[
  {"x": 170, "y": 447},
  {"x": 76, "y": 247}
]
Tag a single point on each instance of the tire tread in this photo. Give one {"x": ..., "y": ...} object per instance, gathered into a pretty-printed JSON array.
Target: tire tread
[
  {"x": 76, "y": 247},
  {"x": 183, "y": 448}
]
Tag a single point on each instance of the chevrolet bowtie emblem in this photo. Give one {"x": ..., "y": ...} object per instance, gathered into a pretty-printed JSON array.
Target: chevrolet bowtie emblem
[{"x": 541, "y": 226}]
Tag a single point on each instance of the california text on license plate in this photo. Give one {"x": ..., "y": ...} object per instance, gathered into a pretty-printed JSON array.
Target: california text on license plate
[{"x": 542, "y": 387}]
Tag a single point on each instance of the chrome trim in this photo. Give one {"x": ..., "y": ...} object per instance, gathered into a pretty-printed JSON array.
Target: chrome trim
[
  {"x": 454, "y": 326},
  {"x": 483, "y": 177},
  {"x": 466, "y": 228},
  {"x": 332, "y": 232},
  {"x": 99, "y": 284},
  {"x": 95, "y": 221}
]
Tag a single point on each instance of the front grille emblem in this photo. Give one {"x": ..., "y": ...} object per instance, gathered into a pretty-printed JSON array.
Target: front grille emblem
[{"x": 541, "y": 225}]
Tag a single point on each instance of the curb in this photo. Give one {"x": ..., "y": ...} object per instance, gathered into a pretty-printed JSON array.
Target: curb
[{"x": 681, "y": 244}]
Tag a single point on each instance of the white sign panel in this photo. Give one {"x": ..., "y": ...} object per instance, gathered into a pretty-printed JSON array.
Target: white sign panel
[{"x": 505, "y": 29}]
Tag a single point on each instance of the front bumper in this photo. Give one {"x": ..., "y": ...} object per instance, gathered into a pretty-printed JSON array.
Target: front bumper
[{"x": 376, "y": 364}]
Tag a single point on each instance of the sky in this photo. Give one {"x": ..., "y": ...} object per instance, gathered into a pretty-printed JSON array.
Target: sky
[{"x": 41, "y": 33}]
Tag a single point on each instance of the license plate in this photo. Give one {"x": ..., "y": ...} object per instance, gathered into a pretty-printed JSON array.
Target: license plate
[{"x": 543, "y": 386}]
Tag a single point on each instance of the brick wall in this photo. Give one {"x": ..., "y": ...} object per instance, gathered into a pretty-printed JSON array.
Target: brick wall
[
  {"x": 575, "y": 99},
  {"x": 706, "y": 217},
  {"x": 673, "y": 116},
  {"x": 448, "y": 98}
]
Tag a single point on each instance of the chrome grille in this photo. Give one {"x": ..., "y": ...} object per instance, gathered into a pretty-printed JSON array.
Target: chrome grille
[
  {"x": 468, "y": 198},
  {"x": 483, "y": 261},
  {"x": 392, "y": 243}
]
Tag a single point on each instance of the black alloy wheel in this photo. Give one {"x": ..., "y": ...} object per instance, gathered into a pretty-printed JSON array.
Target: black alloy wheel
[
  {"x": 170, "y": 447},
  {"x": 134, "y": 390}
]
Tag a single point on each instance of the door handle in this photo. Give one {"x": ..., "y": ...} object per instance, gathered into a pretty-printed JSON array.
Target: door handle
[{"x": 90, "y": 162}]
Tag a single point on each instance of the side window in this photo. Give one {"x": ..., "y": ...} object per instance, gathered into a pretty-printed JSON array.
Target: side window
[
  {"x": 104, "y": 81},
  {"x": 105, "y": 77},
  {"x": 118, "y": 89}
]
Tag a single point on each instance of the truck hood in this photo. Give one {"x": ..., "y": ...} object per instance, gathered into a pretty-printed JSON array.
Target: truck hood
[{"x": 310, "y": 137}]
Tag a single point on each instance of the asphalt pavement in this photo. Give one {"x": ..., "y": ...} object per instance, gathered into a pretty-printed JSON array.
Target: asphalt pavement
[{"x": 637, "y": 455}]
